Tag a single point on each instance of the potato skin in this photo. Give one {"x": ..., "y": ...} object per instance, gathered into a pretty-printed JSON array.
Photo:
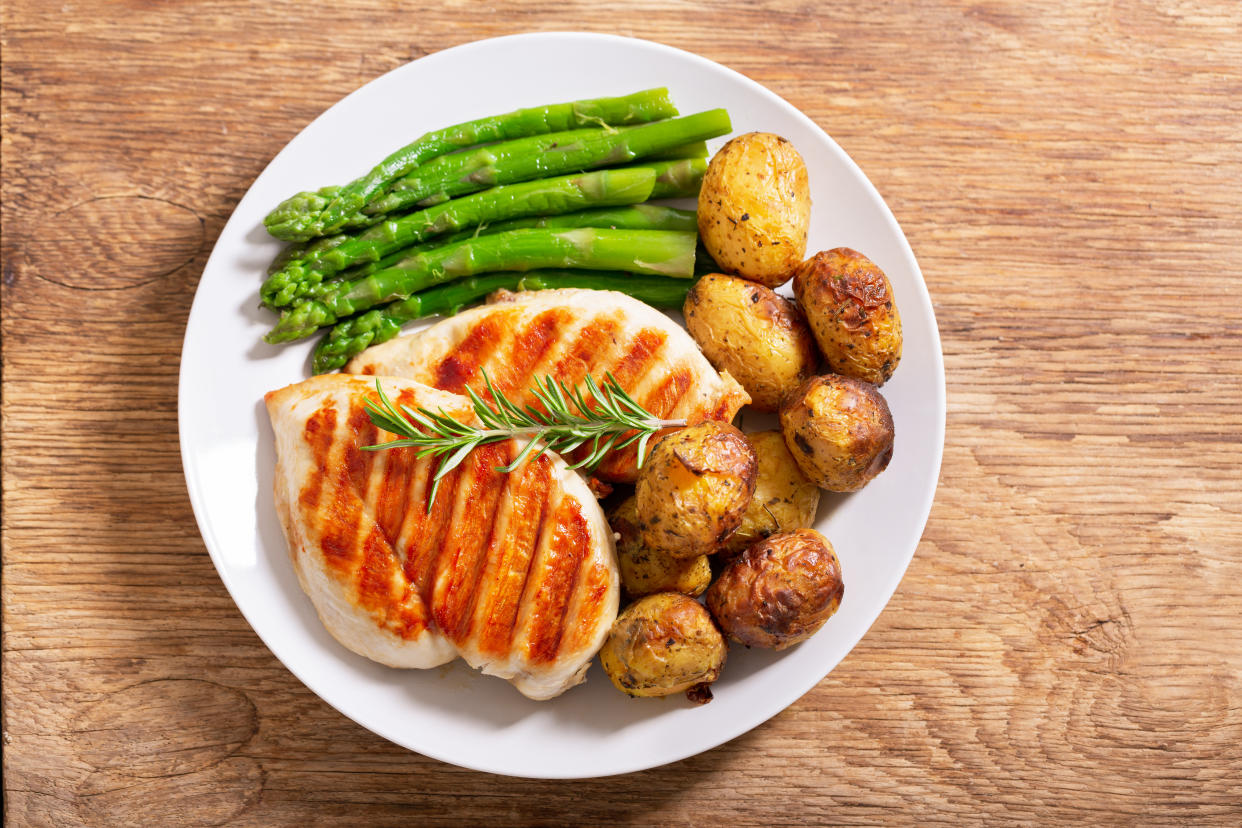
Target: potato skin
[
  {"x": 757, "y": 335},
  {"x": 784, "y": 499},
  {"x": 647, "y": 571},
  {"x": 848, "y": 302},
  {"x": 693, "y": 489},
  {"x": 663, "y": 644},
  {"x": 780, "y": 591},
  {"x": 839, "y": 430},
  {"x": 755, "y": 208}
]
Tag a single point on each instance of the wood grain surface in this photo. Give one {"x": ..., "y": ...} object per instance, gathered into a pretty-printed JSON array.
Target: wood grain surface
[{"x": 1067, "y": 644}]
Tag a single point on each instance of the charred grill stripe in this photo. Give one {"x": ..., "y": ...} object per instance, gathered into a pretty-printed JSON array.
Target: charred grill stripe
[
  {"x": 592, "y": 346},
  {"x": 663, "y": 399},
  {"x": 639, "y": 358},
  {"x": 461, "y": 365},
  {"x": 567, "y": 549},
  {"x": 423, "y": 555},
  {"x": 319, "y": 434},
  {"x": 498, "y": 615},
  {"x": 513, "y": 375},
  {"x": 589, "y": 593},
  {"x": 462, "y": 561}
]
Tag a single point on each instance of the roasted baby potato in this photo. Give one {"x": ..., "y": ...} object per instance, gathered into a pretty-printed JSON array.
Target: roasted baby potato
[
  {"x": 663, "y": 644},
  {"x": 646, "y": 571},
  {"x": 849, "y": 303},
  {"x": 755, "y": 208},
  {"x": 779, "y": 592},
  {"x": 784, "y": 498},
  {"x": 693, "y": 489},
  {"x": 839, "y": 431},
  {"x": 756, "y": 335}
]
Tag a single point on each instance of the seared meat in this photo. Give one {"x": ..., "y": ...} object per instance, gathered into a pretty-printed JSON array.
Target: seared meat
[
  {"x": 566, "y": 334},
  {"x": 514, "y": 572}
]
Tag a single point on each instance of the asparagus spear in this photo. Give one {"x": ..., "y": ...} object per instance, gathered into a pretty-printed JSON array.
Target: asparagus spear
[
  {"x": 540, "y": 197},
  {"x": 657, "y": 252},
  {"x": 673, "y": 179},
  {"x": 352, "y": 336},
  {"x": 509, "y": 162},
  {"x": 543, "y": 155},
  {"x": 640, "y": 107},
  {"x": 634, "y": 217}
]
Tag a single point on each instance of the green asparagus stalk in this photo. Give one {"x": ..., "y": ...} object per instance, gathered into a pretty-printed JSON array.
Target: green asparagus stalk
[
  {"x": 509, "y": 162},
  {"x": 354, "y": 335},
  {"x": 541, "y": 197},
  {"x": 542, "y": 155},
  {"x": 634, "y": 217},
  {"x": 656, "y": 252},
  {"x": 638, "y": 108}
]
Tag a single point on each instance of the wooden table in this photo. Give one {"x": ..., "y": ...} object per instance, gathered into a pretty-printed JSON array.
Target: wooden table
[{"x": 1067, "y": 645}]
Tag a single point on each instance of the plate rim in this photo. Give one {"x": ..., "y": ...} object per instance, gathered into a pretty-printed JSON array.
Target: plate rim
[{"x": 786, "y": 698}]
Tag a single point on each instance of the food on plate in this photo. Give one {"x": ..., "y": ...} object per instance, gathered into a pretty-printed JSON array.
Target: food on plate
[
  {"x": 755, "y": 208},
  {"x": 839, "y": 430},
  {"x": 779, "y": 591},
  {"x": 784, "y": 499},
  {"x": 693, "y": 490},
  {"x": 849, "y": 303},
  {"x": 755, "y": 334},
  {"x": 308, "y": 215},
  {"x": 605, "y": 198},
  {"x": 645, "y": 571},
  {"x": 305, "y": 270},
  {"x": 565, "y": 335},
  {"x": 656, "y": 252},
  {"x": 354, "y": 335},
  {"x": 513, "y": 572},
  {"x": 639, "y": 107},
  {"x": 663, "y": 644}
]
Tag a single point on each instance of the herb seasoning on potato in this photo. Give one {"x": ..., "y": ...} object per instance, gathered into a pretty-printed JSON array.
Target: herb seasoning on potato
[
  {"x": 848, "y": 302},
  {"x": 645, "y": 571},
  {"x": 694, "y": 488},
  {"x": 755, "y": 208},
  {"x": 755, "y": 334},
  {"x": 839, "y": 431},
  {"x": 664, "y": 644},
  {"x": 785, "y": 499},
  {"x": 779, "y": 592}
]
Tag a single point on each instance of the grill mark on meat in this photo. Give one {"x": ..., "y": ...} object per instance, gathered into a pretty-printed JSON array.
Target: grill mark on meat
[
  {"x": 423, "y": 553},
  {"x": 566, "y": 550},
  {"x": 498, "y": 615},
  {"x": 319, "y": 433},
  {"x": 358, "y": 462},
  {"x": 594, "y": 342},
  {"x": 461, "y": 365},
  {"x": 529, "y": 348},
  {"x": 663, "y": 399},
  {"x": 590, "y": 590},
  {"x": 462, "y": 561},
  {"x": 392, "y": 494},
  {"x": 639, "y": 357}
]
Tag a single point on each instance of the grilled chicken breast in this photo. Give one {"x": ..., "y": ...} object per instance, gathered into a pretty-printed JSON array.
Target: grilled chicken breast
[
  {"x": 565, "y": 334},
  {"x": 516, "y": 573}
]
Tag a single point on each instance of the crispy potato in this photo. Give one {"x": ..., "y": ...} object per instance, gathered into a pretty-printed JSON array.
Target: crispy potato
[
  {"x": 784, "y": 498},
  {"x": 693, "y": 489},
  {"x": 646, "y": 571},
  {"x": 663, "y": 644},
  {"x": 779, "y": 592},
  {"x": 755, "y": 208},
  {"x": 849, "y": 303},
  {"x": 756, "y": 335},
  {"x": 839, "y": 431}
]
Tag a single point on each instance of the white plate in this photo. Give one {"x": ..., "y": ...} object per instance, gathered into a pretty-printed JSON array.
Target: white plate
[{"x": 451, "y": 713}]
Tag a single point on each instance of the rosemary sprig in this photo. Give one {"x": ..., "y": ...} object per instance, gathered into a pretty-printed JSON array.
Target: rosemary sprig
[{"x": 611, "y": 420}]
